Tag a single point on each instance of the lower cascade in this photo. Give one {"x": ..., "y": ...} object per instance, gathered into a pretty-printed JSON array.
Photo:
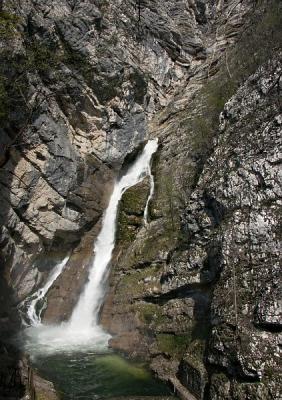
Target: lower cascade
[
  {"x": 36, "y": 302},
  {"x": 83, "y": 330}
]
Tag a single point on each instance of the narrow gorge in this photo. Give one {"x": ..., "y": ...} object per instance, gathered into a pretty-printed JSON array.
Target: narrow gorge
[{"x": 140, "y": 174}]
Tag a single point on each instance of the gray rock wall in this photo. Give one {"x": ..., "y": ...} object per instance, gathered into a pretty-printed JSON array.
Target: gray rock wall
[
  {"x": 199, "y": 279},
  {"x": 84, "y": 84},
  {"x": 87, "y": 77}
]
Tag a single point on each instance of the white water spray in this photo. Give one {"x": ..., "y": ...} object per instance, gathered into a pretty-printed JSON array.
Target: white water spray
[
  {"x": 86, "y": 312},
  {"x": 83, "y": 330},
  {"x": 34, "y": 309},
  {"x": 152, "y": 189}
]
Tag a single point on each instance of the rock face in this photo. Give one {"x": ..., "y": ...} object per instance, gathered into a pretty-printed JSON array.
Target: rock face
[
  {"x": 82, "y": 86},
  {"x": 69, "y": 121},
  {"x": 68, "y": 124},
  {"x": 200, "y": 282},
  {"x": 232, "y": 217},
  {"x": 209, "y": 301}
]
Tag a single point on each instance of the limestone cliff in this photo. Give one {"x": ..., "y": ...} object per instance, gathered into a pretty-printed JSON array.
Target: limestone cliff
[
  {"x": 202, "y": 292},
  {"x": 82, "y": 85}
]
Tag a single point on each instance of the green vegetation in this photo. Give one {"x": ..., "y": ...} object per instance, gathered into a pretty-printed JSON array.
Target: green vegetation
[
  {"x": 42, "y": 396},
  {"x": 195, "y": 352},
  {"x": 165, "y": 205},
  {"x": 149, "y": 249},
  {"x": 134, "y": 199},
  {"x": 105, "y": 85},
  {"x": 8, "y": 31},
  {"x": 258, "y": 43},
  {"x": 8, "y": 25},
  {"x": 263, "y": 36},
  {"x": 126, "y": 232},
  {"x": 40, "y": 58},
  {"x": 133, "y": 283},
  {"x": 200, "y": 121},
  {"x": 150, "y": 313},
  {"x": 174, "y": 345},
  {"x": 131, "y": 210},
  {"x": 13, "y": 76}
]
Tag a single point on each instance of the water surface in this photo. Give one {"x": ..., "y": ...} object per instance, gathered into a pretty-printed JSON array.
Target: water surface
[{"x": 87, "y": 376}]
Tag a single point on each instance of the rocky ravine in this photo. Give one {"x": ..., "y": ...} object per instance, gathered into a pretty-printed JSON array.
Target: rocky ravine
[
  {"x": 197, "y": 290},
  {"x": 206, "y": 307},
  {"x": 67, "y": 126}
]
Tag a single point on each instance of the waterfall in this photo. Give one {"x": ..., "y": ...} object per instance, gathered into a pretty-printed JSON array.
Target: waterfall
[
  {"x": 86, "y": 313},
  {"x": 152, "y": 189},
  {"x": 82, "y": 331},
  {"x": 34, "y": 308}
]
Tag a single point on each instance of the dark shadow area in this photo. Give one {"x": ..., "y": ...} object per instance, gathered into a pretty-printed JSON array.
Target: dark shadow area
[
  {"x": 11, "y": 364},
  {"x": 13, "y": 368}
]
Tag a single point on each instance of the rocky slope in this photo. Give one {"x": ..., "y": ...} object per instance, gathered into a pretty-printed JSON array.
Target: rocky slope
[{"x": 83, "y": 85}]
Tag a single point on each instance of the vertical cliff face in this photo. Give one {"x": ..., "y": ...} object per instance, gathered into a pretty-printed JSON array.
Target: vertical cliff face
[
  {"x": 200, "y": 282},
  {"x": 79, "y": 85},
  {"x": 231, "y": 222},
  {"x": 84, "y": 84}
]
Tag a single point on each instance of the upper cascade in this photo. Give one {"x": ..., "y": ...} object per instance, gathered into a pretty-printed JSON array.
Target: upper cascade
[{"x": 86, "y": 313}]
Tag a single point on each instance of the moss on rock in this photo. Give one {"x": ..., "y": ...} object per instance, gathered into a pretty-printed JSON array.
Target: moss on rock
[
  {"x": 131, "y": 211},
  {"x": 173, "y": 345}
]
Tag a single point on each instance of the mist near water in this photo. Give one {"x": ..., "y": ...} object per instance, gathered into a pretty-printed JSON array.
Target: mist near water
[{"x": 83, "y": 332}]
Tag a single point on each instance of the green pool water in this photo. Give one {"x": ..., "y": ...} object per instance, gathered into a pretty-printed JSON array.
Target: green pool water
[{"x": 98, "y": 376}]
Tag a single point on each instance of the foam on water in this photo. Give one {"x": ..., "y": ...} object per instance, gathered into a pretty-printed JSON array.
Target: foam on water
[{"x": 50, "y": 339}]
